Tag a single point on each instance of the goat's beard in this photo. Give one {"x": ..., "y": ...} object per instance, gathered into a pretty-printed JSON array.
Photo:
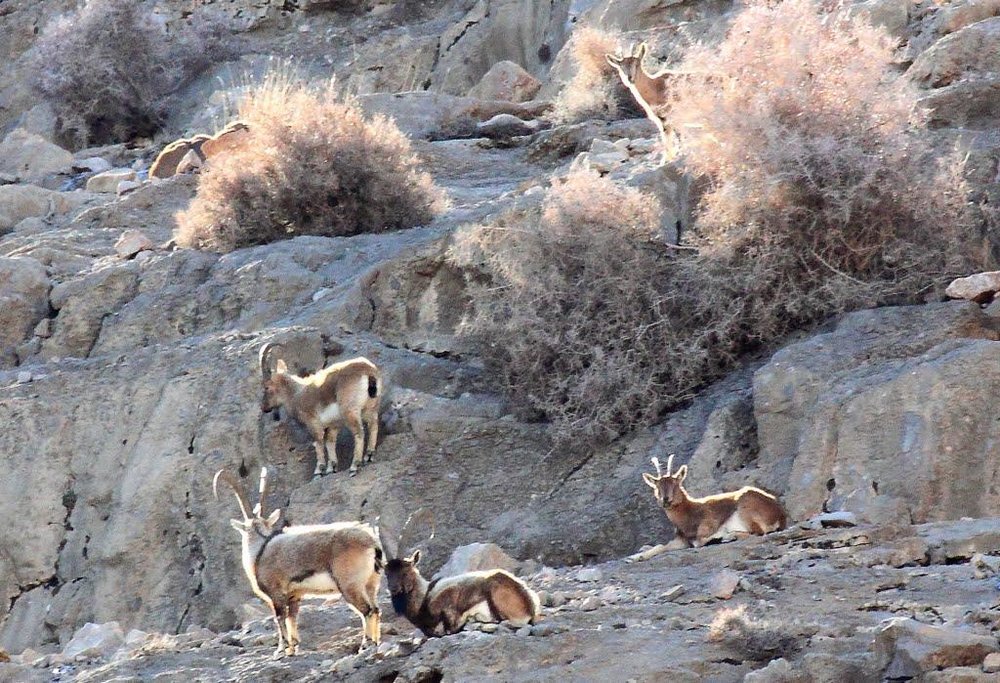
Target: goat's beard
[{"x": 399, "y": 603}]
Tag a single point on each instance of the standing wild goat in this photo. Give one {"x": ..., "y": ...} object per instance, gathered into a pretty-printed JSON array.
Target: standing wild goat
[
  {"x": 346, "y": 393},
  {"x": 719, "y": 517},
  {"x": 286, "y": 563},
  {"x": 443, "y": 606},
  {"x": 649, "y": 90}
]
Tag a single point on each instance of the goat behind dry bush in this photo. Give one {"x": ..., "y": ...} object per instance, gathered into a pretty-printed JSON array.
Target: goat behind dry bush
[
  {"x": 724, "y": 516},
  {"x": 822, "y": 199},
  {"x": 313, "y": 165},
  {"x": 347, "y": 393},
  {"x": 593, "y": 92},
  {"x": 286, "y": 563},
  {"x": 651, "y": 91}
]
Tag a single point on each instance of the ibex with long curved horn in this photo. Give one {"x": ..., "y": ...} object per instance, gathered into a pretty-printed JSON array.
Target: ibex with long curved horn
[
  {"x": 724, "y": 516},
  {"x": 286, "y": 563},
  {"x": 443, "y": 606},
  {"x": 344, "y": 394}
]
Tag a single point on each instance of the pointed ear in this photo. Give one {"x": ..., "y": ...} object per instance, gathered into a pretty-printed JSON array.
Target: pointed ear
[
  {"x": 613, "y": 60},
  {"x": 281, "y": 366},
  {"x": 415, "y": 558},
  {"x": 681, "y": 473},
  {"x": 650, "y": 479},
  {"x": 238, "y": 525},
  {"x": 272, "y": 518},
  {"x": 641, "y": 51}
]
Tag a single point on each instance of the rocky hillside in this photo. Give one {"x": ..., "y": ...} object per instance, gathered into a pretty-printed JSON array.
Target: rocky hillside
[{"x": 128, "y": 376}]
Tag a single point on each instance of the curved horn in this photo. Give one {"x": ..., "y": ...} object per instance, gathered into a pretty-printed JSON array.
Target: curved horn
[
  {"x": 670, "y": 464},
  {"x": 237, "y": 486},
  {"x": 263, "y": 490},
  {"x": 418, "y": 513},
  {"x": 656, "y": 464},
  {"x": 265, "y": 358},
  {"x": 390, "y": 553}
]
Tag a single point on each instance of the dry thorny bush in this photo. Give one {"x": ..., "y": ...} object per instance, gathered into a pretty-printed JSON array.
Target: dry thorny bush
[
  {"x": 312, "y": 165},
  {"x": 823, "y": 198},
  {"x": 109, "y": 68},
  {"x": 594, "y": 91},
  {"x": 755, "y": 638}
]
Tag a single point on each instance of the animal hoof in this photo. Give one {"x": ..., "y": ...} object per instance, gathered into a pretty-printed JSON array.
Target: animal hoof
[
  {"x": 354, "y": 471},
  {"x": 317, "y": 474},
  {"x": 278, "y": 654}
]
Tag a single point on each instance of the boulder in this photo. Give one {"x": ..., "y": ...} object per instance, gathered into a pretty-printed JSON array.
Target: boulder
[
  {"x": 951, "y": 18},
  {"x": 94, "y": 640},
  {"x": 981, "y": 288},
  {"x": 504, "y": 126},
  {"x": 842, "y": 414},
  {"x": 18, "y": 202},
  {"x": 506, "y": 81},
  {"x": 724, "y": 584},
  {"x": 525, "y": 32},
  {"x": 973, "y": 103},
  {"x": 24, "y": 300},
  {"x": 777, "y": 671},
  {"x": 892, "y": 15},
  {"x": 31, "y": 157},
  {"x": 910, "y": 649},
  {"x": 108, "y": 180},
  {"x": 131, "y": 243},
  {"x": 476, "y": 557},
  {"x": 970, "y": 51}
]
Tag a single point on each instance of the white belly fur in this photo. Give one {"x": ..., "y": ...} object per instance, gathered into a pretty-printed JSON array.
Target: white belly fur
[
  {"x": 732, "y": 526},
  {"x": 479, "y": 612},
  {"x": 330, "y": 414},
  {"x": 317, "y": 584}
]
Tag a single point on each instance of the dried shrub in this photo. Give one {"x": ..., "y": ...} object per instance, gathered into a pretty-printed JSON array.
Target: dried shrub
[
  {"x": 819, "y": 160},
  {"x": 823, "y": 197},
  {"x": 108, "y": 69},
  {"x": 594, "y": 91},
  {"x": 312, "y": 165},
  {"x": 754, "y": 638},
  {"x": 571, "y": 332}
]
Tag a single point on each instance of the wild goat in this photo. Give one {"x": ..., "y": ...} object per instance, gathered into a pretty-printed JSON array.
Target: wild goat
[
  {"x": 720, "y": 517},
  {"x": 346, "y": 393},
  {"x": 286, "y": 563},
  {"x": 185, "y": 154},
  {"x": 443, "y": 606},
  {"x": 649, "y": 90}
]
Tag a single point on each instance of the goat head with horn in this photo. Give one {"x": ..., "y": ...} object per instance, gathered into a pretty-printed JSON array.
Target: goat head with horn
[
  {"x": 443, "y": 606},
  {"x": 724, "y": 516},
  {"x": 286, "y": 563}
]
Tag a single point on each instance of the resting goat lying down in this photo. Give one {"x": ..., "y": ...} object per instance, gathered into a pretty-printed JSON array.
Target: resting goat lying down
[
  {"x": 443, "y": 606},
  {"x": 724, "y": 516}
]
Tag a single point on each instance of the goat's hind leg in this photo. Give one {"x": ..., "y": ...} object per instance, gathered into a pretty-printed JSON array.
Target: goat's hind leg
[
  {"x": 370, "y": 418},
  {"x": 358, "y": 431}
]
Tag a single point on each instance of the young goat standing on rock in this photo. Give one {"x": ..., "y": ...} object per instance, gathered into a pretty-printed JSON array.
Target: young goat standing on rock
[
  {"x": 346, "y": 393},
  {"x": 286, "y": 563},
  {"x": 724, "y": 516}
]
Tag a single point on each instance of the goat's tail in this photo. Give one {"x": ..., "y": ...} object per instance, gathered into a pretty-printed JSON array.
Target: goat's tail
[
  {"x": 372, "y": 386},
  {"x": 379, "y": 560}
]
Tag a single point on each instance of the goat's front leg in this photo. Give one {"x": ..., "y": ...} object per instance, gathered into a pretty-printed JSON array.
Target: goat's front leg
[{"x": 322, "y": 459}]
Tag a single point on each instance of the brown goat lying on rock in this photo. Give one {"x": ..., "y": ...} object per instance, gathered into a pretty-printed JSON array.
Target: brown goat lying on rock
[{"x": 724, "y": 516}]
